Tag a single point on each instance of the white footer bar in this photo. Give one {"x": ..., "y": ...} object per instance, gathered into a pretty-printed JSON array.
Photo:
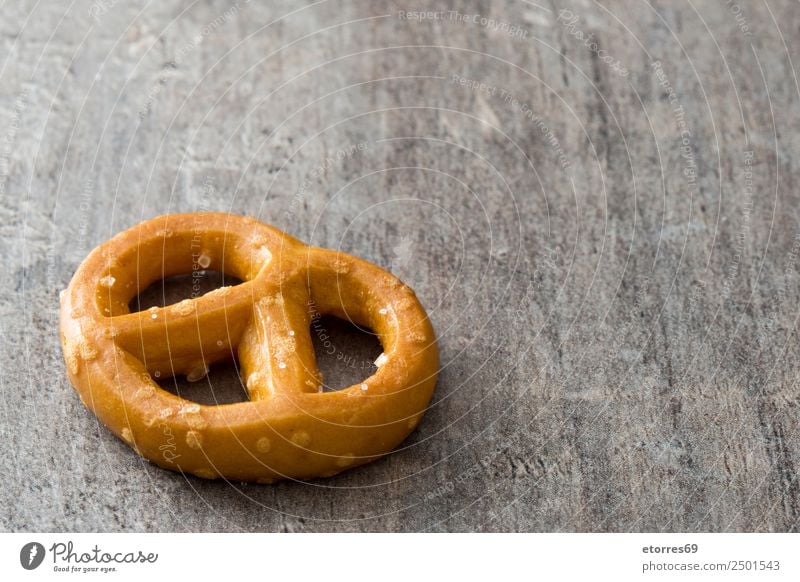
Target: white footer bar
[{"x": 389, "y": 557}]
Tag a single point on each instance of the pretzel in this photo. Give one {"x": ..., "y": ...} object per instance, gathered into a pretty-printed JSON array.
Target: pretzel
[{"x": 288, "y": 428}]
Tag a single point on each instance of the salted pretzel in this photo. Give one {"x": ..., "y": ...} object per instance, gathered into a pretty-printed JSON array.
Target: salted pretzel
[{"x": 289, "y": 427}]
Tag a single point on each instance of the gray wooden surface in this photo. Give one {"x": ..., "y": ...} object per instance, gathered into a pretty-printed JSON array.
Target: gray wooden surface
[{"x": 606, "y": 235}]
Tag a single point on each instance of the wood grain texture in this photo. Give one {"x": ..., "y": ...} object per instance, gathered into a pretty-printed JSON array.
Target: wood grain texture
[{"x": 597, "y": 203}]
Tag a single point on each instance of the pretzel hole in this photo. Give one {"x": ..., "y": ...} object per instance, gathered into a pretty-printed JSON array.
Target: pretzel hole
[
  {"x": 222, "y": 385},
  {"x": 345, "y": 353},
  {"x": 178, "y": 287}
]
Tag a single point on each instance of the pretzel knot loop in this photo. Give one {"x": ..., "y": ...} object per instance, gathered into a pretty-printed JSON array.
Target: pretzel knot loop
[{"x": 289, "y": 427}]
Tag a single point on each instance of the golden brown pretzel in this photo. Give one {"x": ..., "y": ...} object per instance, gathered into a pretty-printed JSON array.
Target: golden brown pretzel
[{"x": 289, "y": 428}]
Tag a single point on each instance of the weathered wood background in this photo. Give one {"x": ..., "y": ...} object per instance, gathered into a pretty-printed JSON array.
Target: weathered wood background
[{"x": 597, "y": 202}]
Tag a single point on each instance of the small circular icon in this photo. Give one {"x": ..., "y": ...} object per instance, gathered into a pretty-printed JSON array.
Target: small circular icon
[{"x": 31, "y": 555}]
